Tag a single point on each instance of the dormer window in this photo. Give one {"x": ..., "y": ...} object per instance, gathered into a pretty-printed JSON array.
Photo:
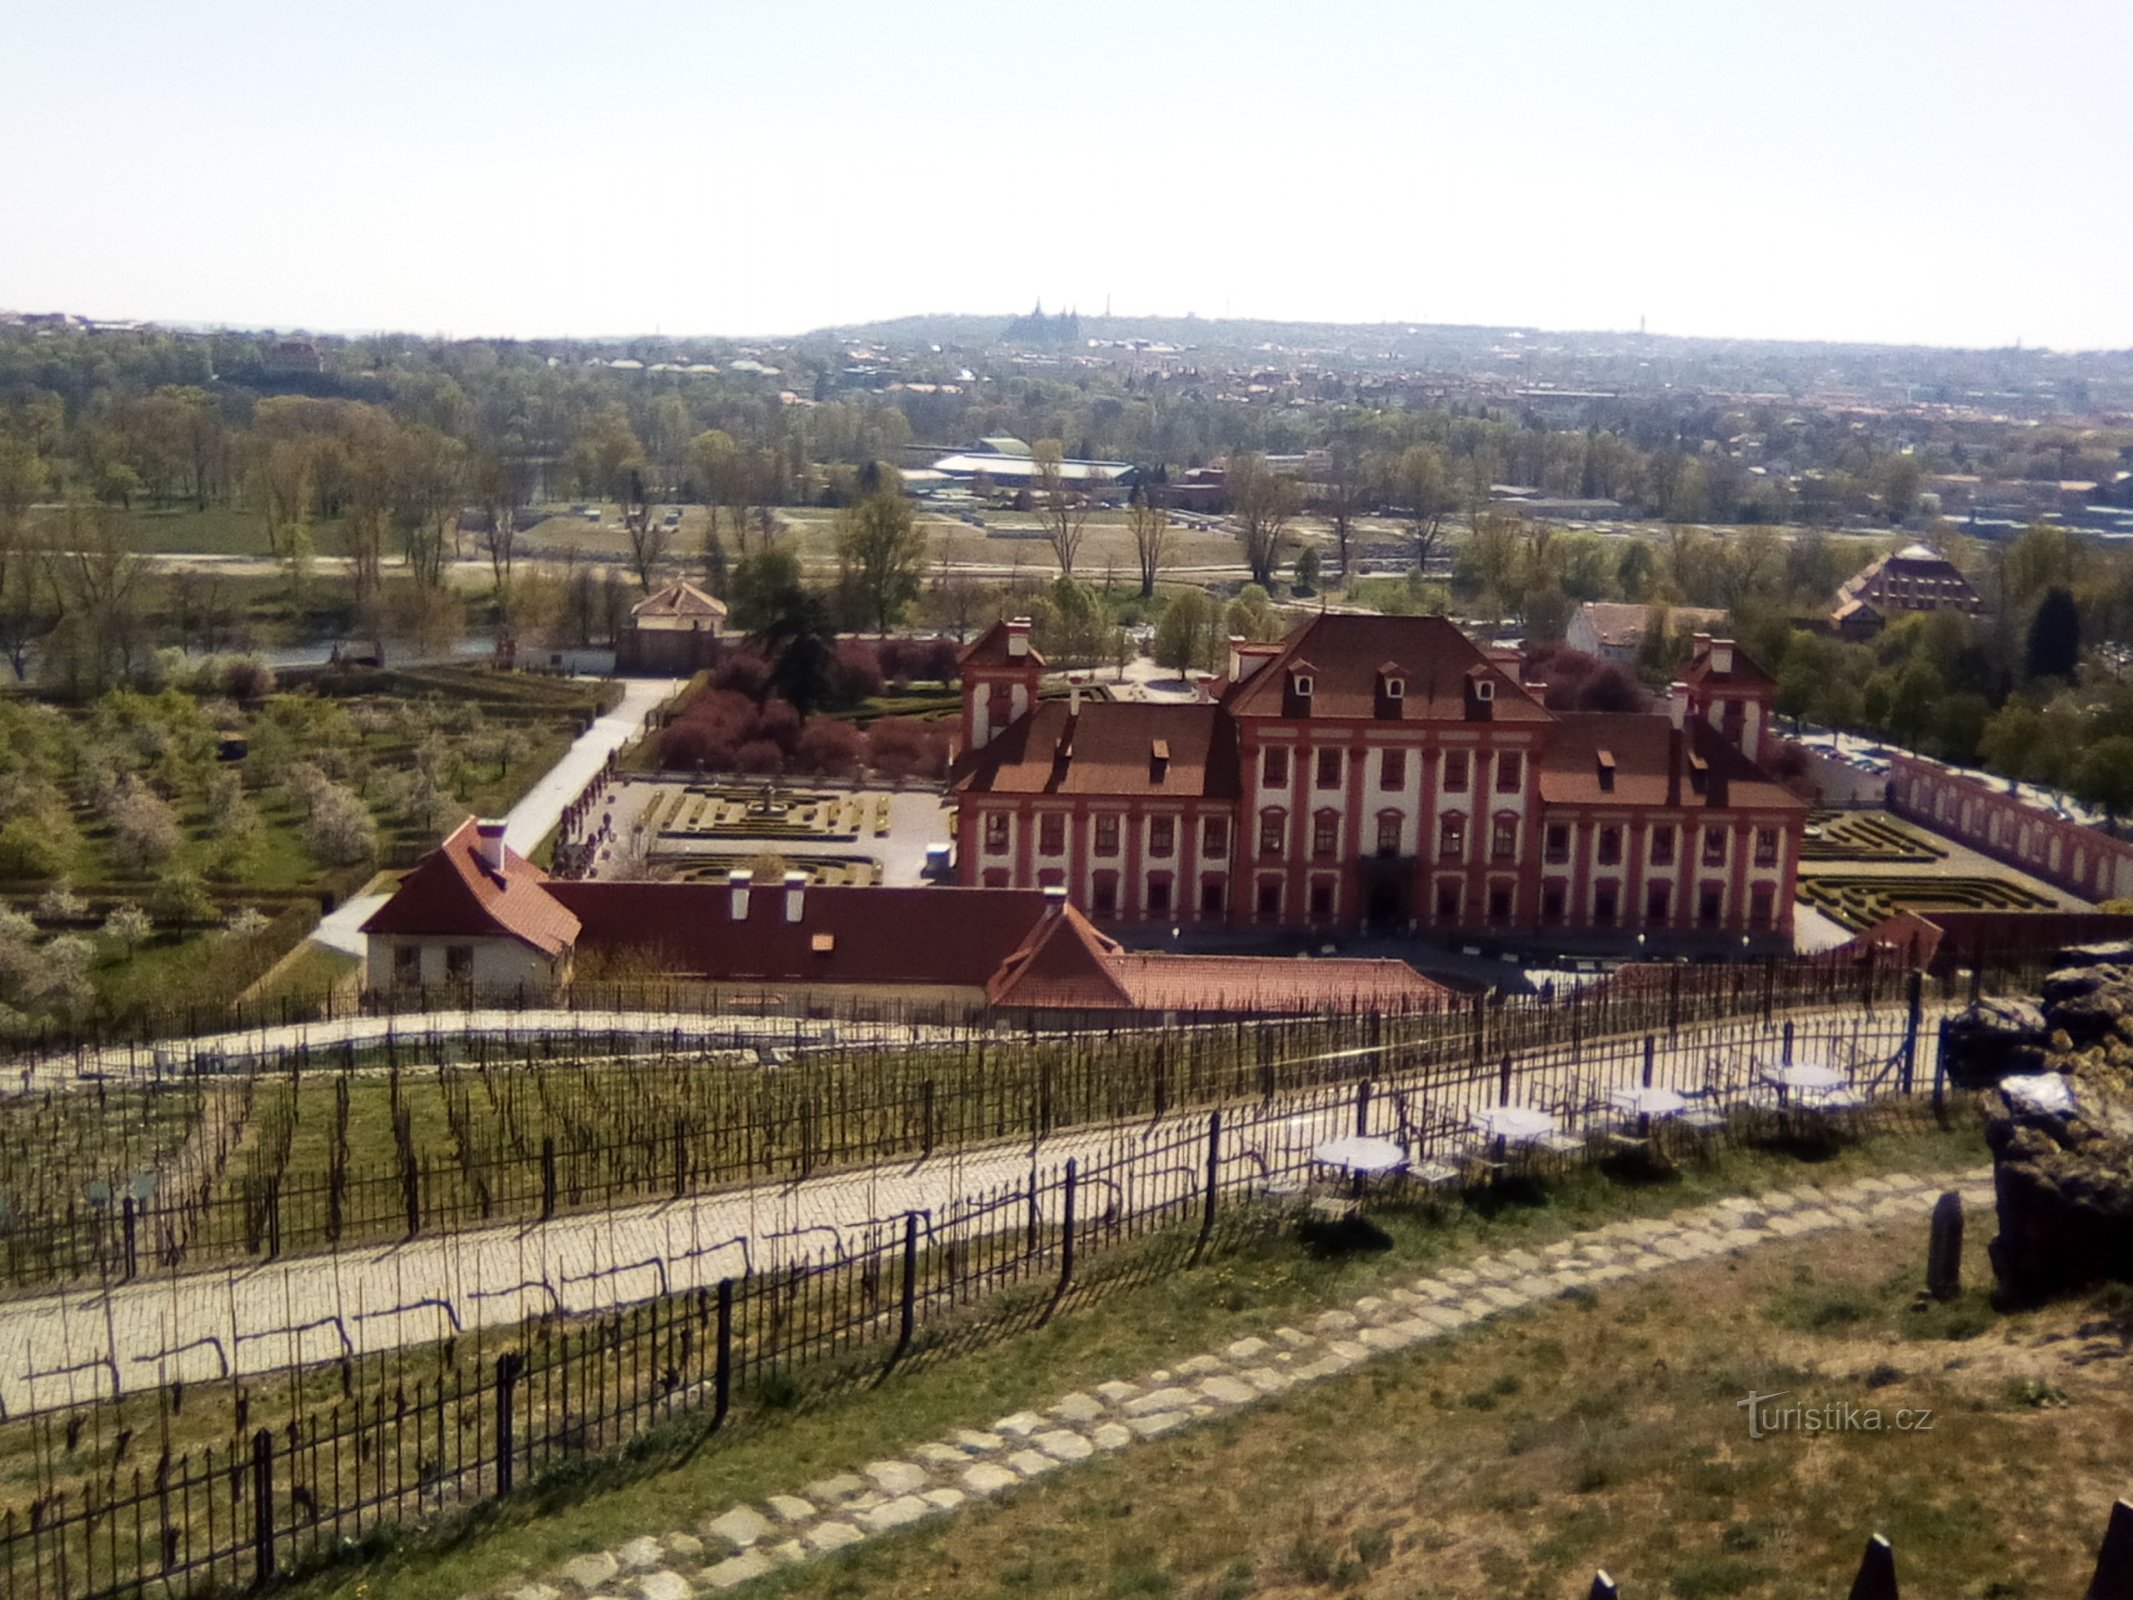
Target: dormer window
[
  {"x": 1484, "y": 690},
  {"x": 1607, "y": 771},
  {"x": 1396, "y": 688},
  {"x": 1303, "y": 686}
]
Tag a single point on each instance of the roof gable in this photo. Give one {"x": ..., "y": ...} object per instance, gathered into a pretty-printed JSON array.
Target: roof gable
[
  {"x": 1344, "y": 653},
  {"x": 451, "y": 893}
]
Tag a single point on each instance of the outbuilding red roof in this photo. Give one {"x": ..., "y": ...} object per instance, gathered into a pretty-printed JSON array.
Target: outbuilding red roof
[{"x": 450, "y": 892}]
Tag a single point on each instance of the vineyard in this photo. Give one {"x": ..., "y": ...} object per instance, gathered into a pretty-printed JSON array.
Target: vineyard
[{"x": 325, "y": 1149}]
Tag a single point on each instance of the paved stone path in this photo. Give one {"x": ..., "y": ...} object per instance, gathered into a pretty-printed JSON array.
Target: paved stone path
[
  {"x": 69, "y": 1347},
  {"x": 736, "y": 1544}
]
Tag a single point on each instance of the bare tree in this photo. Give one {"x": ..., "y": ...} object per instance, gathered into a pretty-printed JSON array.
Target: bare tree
[
  {"x": 1343, "y": 496},
  {"x": 1065, "y": 508},
  {"x": 1262, "y": 504},
  {"x": 649, "y": 538},
  {"x": 1423, "y": 486},
  {"x": 1150, "y": 525}
]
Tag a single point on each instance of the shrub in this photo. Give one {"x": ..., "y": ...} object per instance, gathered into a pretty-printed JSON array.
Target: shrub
[
  {"x": 60, "y": 904},
  {"x": 759, "y": 756},
  {"x": 903, "y": 747},
  {"x": 834, "y": 749},
  {"x": 340, "y": 829},
  {"x": 128, "y": 927},
  {"x": 858, "y": 673},
  {"x": 29, "y": 848},
  {"x": 179, "y": 898},
  {"x": 742, "y": 672}
]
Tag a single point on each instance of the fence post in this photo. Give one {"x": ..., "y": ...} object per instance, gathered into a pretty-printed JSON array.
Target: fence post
[
  {"x": 925, "y": 1095},
  {"x": 1481, "y": 1024},
  {"x": 1214, "y": 1179},
  {"x": 1503, "y": 1081},
  {"x": 1066, "y": 1224},
  {"x": 548, "y": 1177},
  {"x": 262, "y": 1508},
  {"x": 508, "y": 1366},
  {"x": 1940, "y": 1072},
  {"x": 722, "y": 1372},
  {"x": 1787, "y": 1057},
  {"x": 1362, "y": 1108},
  {"x": 1650, "y": 1050},
  {"x": 907, "y": 1318},
  {"x": 127, "y": 1221},
  {"x": 681, "y": 1157},
  {"x": 1913, "y": 1016}
]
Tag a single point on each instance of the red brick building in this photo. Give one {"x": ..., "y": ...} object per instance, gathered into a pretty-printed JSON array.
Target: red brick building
[{"x": 1381, "y": 775}]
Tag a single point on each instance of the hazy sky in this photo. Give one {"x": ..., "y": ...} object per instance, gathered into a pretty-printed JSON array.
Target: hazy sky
[{"x": 1943, "y": 172}]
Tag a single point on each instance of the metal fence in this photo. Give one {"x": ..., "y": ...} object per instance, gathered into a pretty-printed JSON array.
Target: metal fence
[
  {"x": 532, "y": 1135},
  {"x": 399, "y": 1436}
]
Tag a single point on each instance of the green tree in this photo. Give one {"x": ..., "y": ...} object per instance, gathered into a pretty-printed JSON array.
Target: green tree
[
  {"x": 766, "y": 590},
  {"x": 2104, "y": 776},
  {"x": 1185, "y": 638},
  {"x": 2054, "y": 647},
  {"x": 1262, "y": 503},
  {"x": 1252, "y": 615},
  {"x": 1422, "y": 487},
  {"x": 1307, "y": 569},
  {"x": 883, "y": 550}
]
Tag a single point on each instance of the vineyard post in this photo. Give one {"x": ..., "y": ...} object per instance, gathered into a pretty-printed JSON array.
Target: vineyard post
[
  {"x": 925, "y": 1095},
  {"x": 548, "y": 1177},
  {"x": 1787, "y": 1058},
  {"x": 127, "y": 1219},
  {"x": 262, "y": 1508},
  {"x": 1362, "y": 1107},
  {"x": 1650, "y": 1049}
]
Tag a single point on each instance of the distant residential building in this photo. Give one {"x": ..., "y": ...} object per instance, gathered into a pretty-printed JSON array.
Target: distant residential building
[
  {"x": 672, "y": 632},
  {"x": 1916, "y": 578},
  {"x": 1616, "y": 630},
  {"x": 292, "y": 357},
  {"x": 1012, "y": 464}
]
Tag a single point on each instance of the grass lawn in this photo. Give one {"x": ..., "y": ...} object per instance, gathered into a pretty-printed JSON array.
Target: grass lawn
[{"x": 1278, "y": 1501}]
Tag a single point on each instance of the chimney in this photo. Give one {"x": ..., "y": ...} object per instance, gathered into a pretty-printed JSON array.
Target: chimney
[
  {"x": 1722, "y": 655},
  {"x": 1074, "y": 695},
  {"x": 1018, "y": 639},
  {"x": 795, "y": 894},
  {"x": 1699, "y": 646},
  {"x": 1054, "y": 899},
  {"x": 1201, "y": 684},
  {"x": 1236, "y": 658},
  {"x": 737, "y": 885},
  {"x": 1677, "y": 703},
  {"x": 489, "y": 844}
]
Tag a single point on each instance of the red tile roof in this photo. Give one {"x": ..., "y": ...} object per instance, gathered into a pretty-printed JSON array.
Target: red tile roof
[
  {"x": 679, "y": 599},
  {"x": 989, "y": 649},
  {"x": 1344, "y": 653},
  {"x": 1067, "y": 965},
  {"x": 1745, "y": 672},
  {"x": 1653, "y": 765},
  {"x": 450, "y": 892},
  {"x": 933, "y": 936},
  {"x": 1109, "y": 748}
]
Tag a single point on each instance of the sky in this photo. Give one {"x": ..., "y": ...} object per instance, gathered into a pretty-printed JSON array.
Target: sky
[{"x": 1880, "y": 170}]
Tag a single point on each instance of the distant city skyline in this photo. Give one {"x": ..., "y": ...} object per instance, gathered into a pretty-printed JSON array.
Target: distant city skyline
[{"x": 1904, "y": 173}]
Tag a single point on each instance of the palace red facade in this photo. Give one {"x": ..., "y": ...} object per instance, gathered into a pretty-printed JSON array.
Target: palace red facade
[{"x": 1381, "y": 775}]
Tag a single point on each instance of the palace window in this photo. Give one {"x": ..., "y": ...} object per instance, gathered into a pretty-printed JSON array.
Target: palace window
[
  {"x": 1503, "y": 839},
  {"x": 1451, "y": 836},
  {"x": 1162, "y": 837},
  {"x": 1499, "y": 902},
  {"x": 1107, "y": 834},
  {"x": 1656, "y": 909},
  {"x": 1325, "y": 833},
  {"x": 1392, "y": 769},
  {"x": 1270, "y": 897},
  {"x": 1711, "y": 904},
  {"x": 1611, "y": 845},
  {"x": 1663, "y": 846},
  {"x": 1274, "y": 767},
  {"x": 1103, "y": 894},
  {"x": 1447, "y": 902},
  {"x": 1510, "y": 771},
  {"x": 1388, "y": 833},
  {"x": 1762, "y": 899},
  {"x": 1321, "y": 899},
  {"x": 1273, "y": 827},
  {"x": 1552, "y": 902},
  {"x": 1558, "y": 849},
  {"x": 1214, "y": 838},
  {"x": 1766, "y": 847},
  {"x": 996, "y": 833},
  {"x": 1329, "y": 769},
  {"x": 1211, "y": 897},
  {"x": 1606, "y": 902},
  {"x": 1714, "y": 847},
  {"x": 1051, "y": 834},
  {"x": 1159, "y": 894},
  {"x": 1455, "y": 771}
]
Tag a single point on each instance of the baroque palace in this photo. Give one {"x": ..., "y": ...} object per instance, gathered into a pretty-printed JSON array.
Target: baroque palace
[{"x": 1384, "y": 776}]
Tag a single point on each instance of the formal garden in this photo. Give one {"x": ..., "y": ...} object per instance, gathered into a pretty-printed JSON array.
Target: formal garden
[
  {"x": 171, "y": 848},
  {"x": 1859, "y": 901},
  {"x": 1866, "y": 836}
]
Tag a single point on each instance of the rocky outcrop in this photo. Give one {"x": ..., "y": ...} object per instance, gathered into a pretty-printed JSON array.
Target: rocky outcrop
[
  {"x": 2061, "y": 1133},
  {"x": 1992, "y": 1038}
]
